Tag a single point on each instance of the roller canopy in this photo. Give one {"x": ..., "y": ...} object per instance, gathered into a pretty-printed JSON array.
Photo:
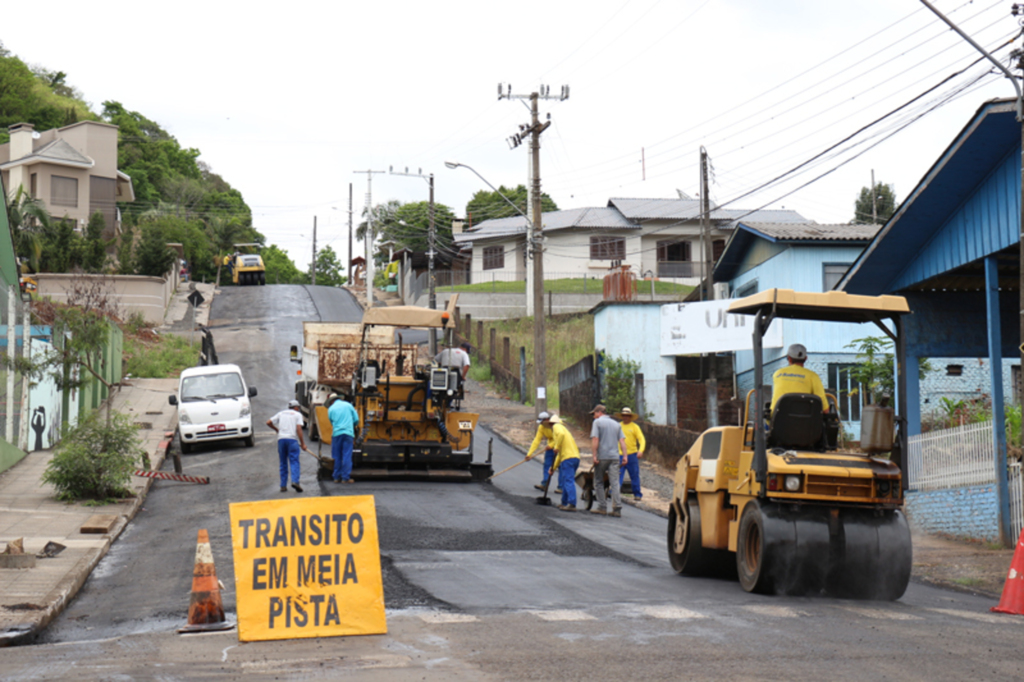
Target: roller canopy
[
  {"x": 833, "y": 306},
  {"x": 412, "y": 316}
]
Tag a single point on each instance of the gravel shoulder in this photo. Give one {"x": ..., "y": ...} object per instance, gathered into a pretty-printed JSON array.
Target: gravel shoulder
[{"x": 951, "y": 563}]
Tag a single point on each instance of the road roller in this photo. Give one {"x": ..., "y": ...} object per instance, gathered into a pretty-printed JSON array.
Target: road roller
[{"x": 778, "y": 502}]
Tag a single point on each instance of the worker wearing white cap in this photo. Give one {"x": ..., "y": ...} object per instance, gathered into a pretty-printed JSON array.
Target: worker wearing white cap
[
  {"x": 795, "y": 378},
  {"x": 288, "y": 424},
  {"x": 544, "y": 433}
]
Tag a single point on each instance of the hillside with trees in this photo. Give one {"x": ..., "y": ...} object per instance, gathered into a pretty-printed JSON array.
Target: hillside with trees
[{"x": 178, "y": 198}]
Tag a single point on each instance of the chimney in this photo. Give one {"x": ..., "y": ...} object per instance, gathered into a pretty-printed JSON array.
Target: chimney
[
  {"x": 457, "y": 226},
  {"x": 22, "y": 135}
]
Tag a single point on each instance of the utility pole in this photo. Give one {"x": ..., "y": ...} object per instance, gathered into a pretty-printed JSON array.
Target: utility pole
[
  {"x": 312, "y": 267},
  {"x": 535, "y": 240},
  {"x": 350, "y": 234},
  {"x": 874, "y": 199},
  {"x": 431, "y": 245},
  {"x": 705, "y": 227},
  {"x": 368, "y": 239}
]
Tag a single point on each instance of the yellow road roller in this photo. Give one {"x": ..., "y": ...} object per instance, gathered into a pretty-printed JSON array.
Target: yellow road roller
[{"x": 777, "y": 501}]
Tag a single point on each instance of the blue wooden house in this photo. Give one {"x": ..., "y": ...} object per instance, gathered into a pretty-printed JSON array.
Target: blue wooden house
[{"x": 804, "y": 257}]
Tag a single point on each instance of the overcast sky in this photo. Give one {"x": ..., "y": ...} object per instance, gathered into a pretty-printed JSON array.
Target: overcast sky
[{"x": 287, "y": 101}]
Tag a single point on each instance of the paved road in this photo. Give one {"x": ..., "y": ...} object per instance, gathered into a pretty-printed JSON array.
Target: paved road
[{"x": 481, "y": 582}]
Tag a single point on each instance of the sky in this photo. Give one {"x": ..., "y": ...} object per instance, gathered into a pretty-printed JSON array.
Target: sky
[{"x": 795, "y": 101}]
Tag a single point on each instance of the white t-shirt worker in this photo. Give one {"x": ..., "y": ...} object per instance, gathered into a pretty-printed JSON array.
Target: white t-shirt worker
[{"x": 455, "y": 357}]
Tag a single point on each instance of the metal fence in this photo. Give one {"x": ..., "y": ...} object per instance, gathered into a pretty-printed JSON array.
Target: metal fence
[
  {"x": 962, "y": 457},
  {"x": 499, "y": 281},
  {"x": 951, "y": 458}
]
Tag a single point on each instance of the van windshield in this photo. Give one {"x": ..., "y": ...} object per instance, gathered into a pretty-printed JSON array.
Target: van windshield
[{"x": 207, "y": 386}]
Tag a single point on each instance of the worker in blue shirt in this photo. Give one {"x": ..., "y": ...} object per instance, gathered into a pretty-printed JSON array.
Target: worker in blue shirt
[{"x": 344, "y": 419}]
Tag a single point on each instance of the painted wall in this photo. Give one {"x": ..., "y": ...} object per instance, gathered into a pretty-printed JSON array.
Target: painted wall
[
  {"x": 136, "y": 294},
  {"x": 961, "y": 512},
  {"x": 630, "y": 330}
]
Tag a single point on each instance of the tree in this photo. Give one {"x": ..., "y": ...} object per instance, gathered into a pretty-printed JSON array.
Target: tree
[
  {"x": 885, "y": 201},
  {"x": 224, "y": 233},
  {"x": 152, "y": 256},
  {"x": 328, "y": 268},
  {"x": 29, "y": 221},
  {"x": 62, "y": 247},
  {"x": 126, "y": 250},
  {"x": 486, "y": 205},
  {"x": 94, "y": 251},
  {"x": 279, "y": 267}
]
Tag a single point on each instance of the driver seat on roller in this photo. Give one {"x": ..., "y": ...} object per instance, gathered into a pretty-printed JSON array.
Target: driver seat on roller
[{"x": 797, "y": 422}]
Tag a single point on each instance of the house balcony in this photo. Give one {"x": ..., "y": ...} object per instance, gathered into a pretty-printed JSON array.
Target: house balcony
[{"x": 679, "y": 269}]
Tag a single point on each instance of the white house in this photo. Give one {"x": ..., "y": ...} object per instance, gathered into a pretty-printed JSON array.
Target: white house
[{"x": 660, "y": 237}]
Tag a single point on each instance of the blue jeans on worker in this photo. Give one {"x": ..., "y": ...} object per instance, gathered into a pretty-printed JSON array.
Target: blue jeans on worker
[
  {"x": 341, "y": 450},
  {"x": 549, "y": 461},
  {"x": 288, "y": 452},
  {"x": 633, "y": 467},
  {"x": 567, "y": 481}
]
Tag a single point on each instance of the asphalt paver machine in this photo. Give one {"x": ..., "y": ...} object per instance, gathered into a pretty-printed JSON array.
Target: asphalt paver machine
[
  {"x": 777, "y": 501},
  {"x": 411, "y": 421}
]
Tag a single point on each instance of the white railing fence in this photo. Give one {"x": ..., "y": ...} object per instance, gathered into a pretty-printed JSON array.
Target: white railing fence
[
  {"x": 962, "y": 457},
  {"x": 951, "y": 458}
]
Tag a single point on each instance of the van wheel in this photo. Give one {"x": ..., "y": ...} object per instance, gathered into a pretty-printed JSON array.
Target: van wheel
[
  {"x": 249, "y": 441},
  {"x": 314, "y": 434},
  {"x": 185, "y": 447}
]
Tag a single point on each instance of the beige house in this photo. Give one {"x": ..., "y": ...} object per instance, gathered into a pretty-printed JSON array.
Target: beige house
[{"x": 72, "y": 170}]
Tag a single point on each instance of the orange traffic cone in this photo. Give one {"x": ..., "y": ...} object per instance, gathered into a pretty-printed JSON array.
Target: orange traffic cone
[
  {"x": 1012, "y": 600},
  {"x": 205, "y": 611}
]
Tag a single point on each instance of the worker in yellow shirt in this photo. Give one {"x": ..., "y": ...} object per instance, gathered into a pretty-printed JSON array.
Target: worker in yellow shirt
[
  {"x": 567, "y": 460},
  {"x": 635, "y": 446},
  {"x": 543, "y": 434},
  {"x": 795, "y": 378}
]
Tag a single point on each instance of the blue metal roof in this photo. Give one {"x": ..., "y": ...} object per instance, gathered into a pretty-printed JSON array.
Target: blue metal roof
[{"x": 966, "y": 207}]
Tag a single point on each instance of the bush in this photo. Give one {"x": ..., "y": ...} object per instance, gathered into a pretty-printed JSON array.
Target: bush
[
  {"x": 95, "y": 460},
  {"x": 619, "y": 388}
]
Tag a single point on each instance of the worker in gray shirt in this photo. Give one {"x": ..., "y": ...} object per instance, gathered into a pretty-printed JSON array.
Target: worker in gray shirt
[{"x": 609, "y": 448}]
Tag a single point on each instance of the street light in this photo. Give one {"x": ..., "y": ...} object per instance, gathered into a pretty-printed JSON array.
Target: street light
[{"x": 534, "y": 249}]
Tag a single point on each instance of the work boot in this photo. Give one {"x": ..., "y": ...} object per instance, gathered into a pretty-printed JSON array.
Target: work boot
[
  {"x": 567, "y": 508},
  {"x": 601, "y": 512},
  {"x": 298, "y": 488},
  {"x": 617, "y": 512},
  {"x": 538, "y": 486},
  {"x": 284, "y": 489},
  {"x": 558, "y": 491}
]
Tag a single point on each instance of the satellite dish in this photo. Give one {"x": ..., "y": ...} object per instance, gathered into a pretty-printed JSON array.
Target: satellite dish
[{"x": 35, "y": 135}]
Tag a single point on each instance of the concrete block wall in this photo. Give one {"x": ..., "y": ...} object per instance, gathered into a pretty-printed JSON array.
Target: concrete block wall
[{"x": 961, "y": 512}]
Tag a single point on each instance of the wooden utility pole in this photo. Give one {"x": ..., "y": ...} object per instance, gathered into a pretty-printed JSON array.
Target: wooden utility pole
[
  {"x": 535, "y": 237},
  {"x": 350, "y": 234},
  {"x": 312, "y": 266},
  {"x": 431, "y": 247},
  {"x": 705, "y": 227},
  {"x": 874, "y": 199}
]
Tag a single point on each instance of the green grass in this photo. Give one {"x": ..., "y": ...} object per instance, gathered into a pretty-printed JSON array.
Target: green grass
[
  {"x": 567, "y": 340},
  {"x": 158, "y": 357},
  {"x": 574, "y": 285}
]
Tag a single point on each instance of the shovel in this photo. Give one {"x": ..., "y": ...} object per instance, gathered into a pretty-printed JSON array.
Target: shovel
[
  {"x": 508, "y": 468},
  {"x": 544, "y": 500}
]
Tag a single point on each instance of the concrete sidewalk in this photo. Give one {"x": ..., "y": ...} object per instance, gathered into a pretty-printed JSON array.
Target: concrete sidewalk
[{"x": 30, "y": 598}]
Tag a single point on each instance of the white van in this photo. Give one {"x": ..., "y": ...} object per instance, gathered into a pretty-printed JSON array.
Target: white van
[{"x": 213, "y": 404}]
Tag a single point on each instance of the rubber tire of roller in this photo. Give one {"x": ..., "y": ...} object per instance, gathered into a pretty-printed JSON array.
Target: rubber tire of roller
[{"x": 752, "y": 560}]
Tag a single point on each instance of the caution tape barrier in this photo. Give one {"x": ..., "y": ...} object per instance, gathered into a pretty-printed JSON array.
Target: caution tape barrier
[{"x": 172, "y": 477}]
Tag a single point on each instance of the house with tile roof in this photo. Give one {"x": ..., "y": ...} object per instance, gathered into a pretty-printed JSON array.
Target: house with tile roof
[
  {"x": 653, "y": 236},
  {"x": 71, "y": 170}
]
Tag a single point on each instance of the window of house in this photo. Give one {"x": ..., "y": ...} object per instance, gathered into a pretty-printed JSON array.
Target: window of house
[
  {"x": 103, "y": 198},
  {"x": 846, "y": 389},
  {"x": 494, "y": 257},
  {"x": 33, "y": 186},
  {"x": 717, "y": 249},
  {"x": 63, "y": 191},
  {"x": 831, "y": 273},
  {"x": 607, "y": 248},
  {"x": 747, "y": 289}
]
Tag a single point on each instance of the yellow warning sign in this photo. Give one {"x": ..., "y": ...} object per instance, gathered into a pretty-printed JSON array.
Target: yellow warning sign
[{"x": 307, "y": 568}]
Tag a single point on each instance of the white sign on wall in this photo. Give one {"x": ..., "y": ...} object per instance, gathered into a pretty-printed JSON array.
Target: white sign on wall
[{"x": 706, "y": 327}]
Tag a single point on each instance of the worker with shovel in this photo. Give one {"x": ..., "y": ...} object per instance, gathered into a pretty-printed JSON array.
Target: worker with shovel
[
  {"x": 543, "y": 433},
  {"x": 567, "y": 460},
  {"x": 288, "y": 425}
]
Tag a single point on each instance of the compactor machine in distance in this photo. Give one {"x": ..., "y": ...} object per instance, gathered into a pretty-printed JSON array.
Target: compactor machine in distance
[
  {"x": 246, "y": 265},
  {"x": 776, "y": 501},
  {"x": 411, "y": 421}
]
